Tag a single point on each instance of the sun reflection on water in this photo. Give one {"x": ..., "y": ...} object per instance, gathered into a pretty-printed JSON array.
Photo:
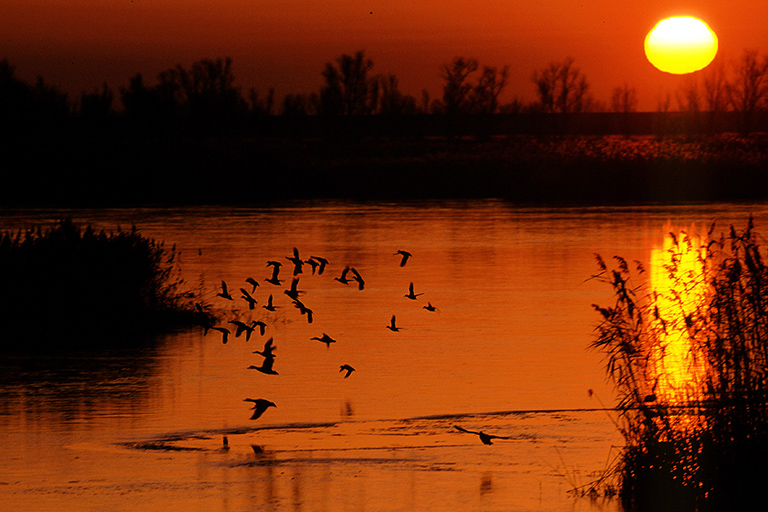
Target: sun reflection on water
[{"x": 680, "y": 291}]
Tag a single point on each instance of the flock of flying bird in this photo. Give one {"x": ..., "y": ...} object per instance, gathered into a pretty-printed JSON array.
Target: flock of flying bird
[{"x": 318, "y": 266}]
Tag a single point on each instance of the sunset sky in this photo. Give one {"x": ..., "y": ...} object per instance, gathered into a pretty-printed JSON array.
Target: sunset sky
[{"x": 78, "y": 44}]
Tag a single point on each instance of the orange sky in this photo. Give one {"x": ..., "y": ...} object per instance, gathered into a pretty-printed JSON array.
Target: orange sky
[{"x": 77, "y": 44}]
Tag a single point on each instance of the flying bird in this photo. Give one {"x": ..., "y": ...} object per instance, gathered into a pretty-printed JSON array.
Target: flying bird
[
  {"x": 242, "y": 327},
  {"x": 269, "y": 306},
  {"x": 275, "y": 280},
  {"x": 312, "y": 263},
  {"x": 224, "y": 333},
  {"x": 347, "y": 368},
  {"x": 405, "y": 255},
  {"x": 294, "y": 292},
  {"x": 410, "y": 293},
  {"x": 303, "y": 309},
  {"x": 484, "y": 438},
  {"x": 392, "y": 327},
  {"x": 430, "y": 307},
  {"x": 357, "y": 277},
  {"x": 248, "y": 298},
  {"x": 322, "y": 262},
  {"x": 259, "y": 406},
  {"x": 343, "y": 278},
  {"x": 266, "y": 366},
  {"x": 269, "y": 349},
  {"x": 261, "y": 325},
  {"x": 224, "y": 293},
  {"x": 324, "y": 339},
  {"x": 297, "y": 262},
  {"x": 253, "y": 283}
]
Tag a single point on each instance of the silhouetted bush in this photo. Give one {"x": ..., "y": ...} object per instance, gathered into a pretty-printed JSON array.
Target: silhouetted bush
[
  {"x": 700, "y": 444},
  {"x": 70, "y": 285}
]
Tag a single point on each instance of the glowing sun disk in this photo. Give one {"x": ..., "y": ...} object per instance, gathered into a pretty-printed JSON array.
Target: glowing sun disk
[{"x": 680, "y": 45}]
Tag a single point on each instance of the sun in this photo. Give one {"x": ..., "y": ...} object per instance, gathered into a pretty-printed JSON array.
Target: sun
[{"x": 679, "y": 45}]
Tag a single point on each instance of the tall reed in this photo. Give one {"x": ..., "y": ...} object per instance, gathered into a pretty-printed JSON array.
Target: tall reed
[
  {"x": 700, "y": 442},
  {"x": 66, "y": 284}
]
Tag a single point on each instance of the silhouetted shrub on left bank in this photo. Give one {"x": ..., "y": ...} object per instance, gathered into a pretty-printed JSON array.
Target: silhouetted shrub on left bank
[{"x": 71, "y": 286}]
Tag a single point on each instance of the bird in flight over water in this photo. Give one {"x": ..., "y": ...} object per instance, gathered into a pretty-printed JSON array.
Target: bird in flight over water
[
  {"x": 325, "y": 339},
  {"x": 224, "y": 333},
  {"x": 343, "y": 278},
  {"x": 304, "y": 310},
  {"x": 248, "y": 298},
  {"x": 410, "y": 293},
  {"x": 266, "y": 366},
  {"x": 224, "y": 293},
  {"x": 357, "y": 277},
  {"x": 392, "y": 327},
  {"x": 484, "y": 438},
  {"x": 259, "y": 406},
  {"x": 347, "y": 368},
  {"x": 269, "y": 349},
  {"x": 269, "y": 306},
  {"x": 241, "y": 326},
  {"x": 322, "y": 263},
  {"x": 298, "y": 263},
  {"x": 430, "y": 307},
  {"x": 253, "y": 283},
  {"x": 405, "y": 255},
  {"x": 275, "y": 280}
]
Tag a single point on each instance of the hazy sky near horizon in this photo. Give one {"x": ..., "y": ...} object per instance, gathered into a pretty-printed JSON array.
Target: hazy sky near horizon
[{"x": 78, "y": 44}]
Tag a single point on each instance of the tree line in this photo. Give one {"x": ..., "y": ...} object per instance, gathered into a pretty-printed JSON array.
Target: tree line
[{"x": 206, "y": 96}]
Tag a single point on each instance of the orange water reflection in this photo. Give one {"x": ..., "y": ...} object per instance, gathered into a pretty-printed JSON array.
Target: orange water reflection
[
  {"x": 510, "y": 333},
  {"x": 679, "y": 287}
]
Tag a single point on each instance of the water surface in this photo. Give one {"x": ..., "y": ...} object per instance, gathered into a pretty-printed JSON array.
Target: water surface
[{"x": 506, "y": 352}]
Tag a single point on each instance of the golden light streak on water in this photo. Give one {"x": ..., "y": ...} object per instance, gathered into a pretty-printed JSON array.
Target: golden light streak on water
[{"x": 677, "y": 280}]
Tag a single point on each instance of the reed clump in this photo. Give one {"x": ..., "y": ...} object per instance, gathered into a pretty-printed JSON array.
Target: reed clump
[
  {"x": 690, "y": 365},
  {"x": 70, "y": 285}
]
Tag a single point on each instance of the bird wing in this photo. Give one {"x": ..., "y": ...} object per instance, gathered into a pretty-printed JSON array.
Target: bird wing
[{"x": 467, "y": 431}]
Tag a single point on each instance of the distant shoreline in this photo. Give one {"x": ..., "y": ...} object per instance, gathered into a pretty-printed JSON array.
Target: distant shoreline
[{"x": 111, "y": 171}]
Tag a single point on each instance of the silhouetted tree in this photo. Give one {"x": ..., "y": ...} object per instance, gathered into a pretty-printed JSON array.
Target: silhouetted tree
[
  {"x": 715, "y": 93},
  {"x": 624, "y": 102},
  {"x": 561, "y": 87},
  {"x": 457, "y": 88},
  {"x": 748, "y": 91},
  {"x": 348, "y": 90},
  {"x": 152, "y": 107},
  {"x": 391, "y": 100},
  {"x": 689, "y": 100},
  {"x": 261, "y": 107},
  {"x": 97, "y": 105},
  {"x": 485, "y": 94}
]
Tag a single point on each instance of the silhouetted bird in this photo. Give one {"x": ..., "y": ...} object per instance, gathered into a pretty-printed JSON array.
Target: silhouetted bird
[
  {"x": 224, "y": 333},
  {"x": 323, "y": 263},
  {"x": 303, "y": 309},
  {"x": 294, "y": 292},
  {"x": 343, "y": 278},
  {"x": 275, "y": 272},
  {"x": 224, "y": 444},
  {"x": 410, "y": 293},
  {"x": 242, "y": 327},
  {"x": 269, "y": 349},
  {"x": 357, "y": 277},
  {"x": 261, "y": 325},
  {"x": 269, "y": 306},
  {"x": 312, "y": 263},
  {"x": 266, "y": 366},
  {"x": 405, "y": 255},
  {"x": 274, "y": 263},
  {"x": 392, "y": 327},
  {"x": 485, "y": 438},
  {"x": 224, "y": 293},
  {"x": 347, "y": 368},
  {"x": 253, "y": 283},
  {"x": 297, "y": 262},
  {"x": 259, "y": 406},
  {"x": 248, "y": 298},
  {"x": 430, "y": 307},
  {"x": 325, "y": 339}
]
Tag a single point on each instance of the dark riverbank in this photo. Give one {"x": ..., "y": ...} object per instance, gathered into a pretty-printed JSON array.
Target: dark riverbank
[{"x": 100, "y": 171}]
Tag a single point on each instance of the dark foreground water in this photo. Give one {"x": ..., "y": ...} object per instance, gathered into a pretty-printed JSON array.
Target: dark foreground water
[{"x": 505, "y": 352}]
